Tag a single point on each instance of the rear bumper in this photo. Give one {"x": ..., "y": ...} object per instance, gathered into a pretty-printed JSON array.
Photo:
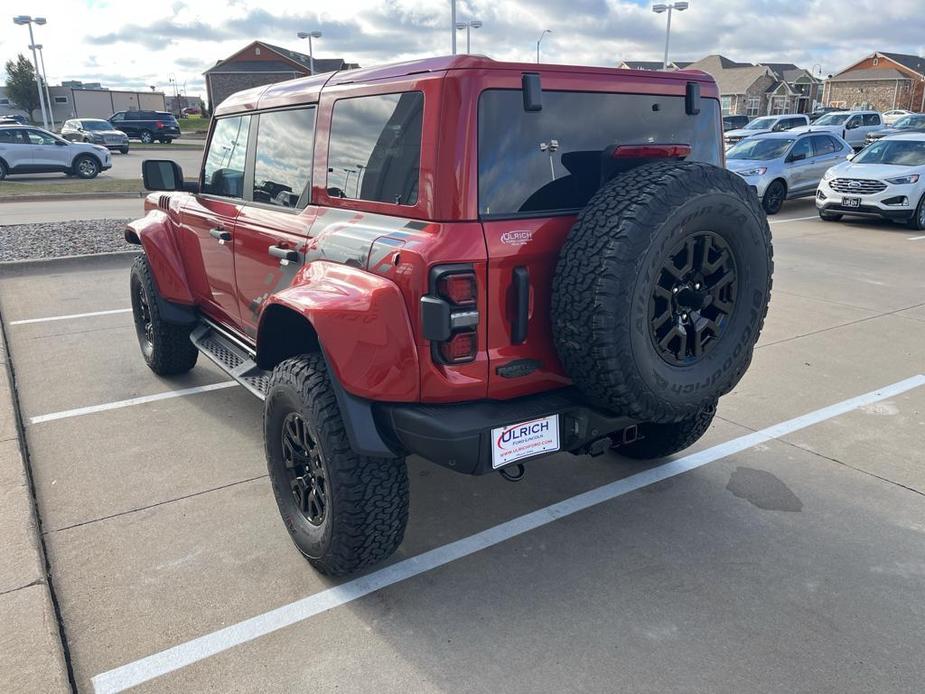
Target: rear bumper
[{"x": 459, "y": 436}]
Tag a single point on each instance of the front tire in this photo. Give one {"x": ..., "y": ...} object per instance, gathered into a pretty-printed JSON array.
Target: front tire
[
  {"x": 660, "y": 440},
  {"x": 166, "y": 347},
  {"x": 3, "y": 170},
  {"x": 343, "y": 511},
  {"x": 774, "y": 197},
  {"x": 86, "y": 166},
  {"x": 917, "y": 221},
  {"x": 147, "y": 137},
  {"x": 123, "y": 150}
]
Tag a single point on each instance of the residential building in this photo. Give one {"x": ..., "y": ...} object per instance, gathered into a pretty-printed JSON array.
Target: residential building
[
  {"x": 880, "y": 81},
  {"x": 261, "y": 63},
  {"x": 74, "y": 102},
  {"x": 650, "y": 65}
]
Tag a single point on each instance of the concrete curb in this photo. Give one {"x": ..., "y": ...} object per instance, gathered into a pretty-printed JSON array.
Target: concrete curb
[
  {"x": 38, "y": 262},
  {"x": 54, "y": 197},
  {"x": 31, "y": 649}
]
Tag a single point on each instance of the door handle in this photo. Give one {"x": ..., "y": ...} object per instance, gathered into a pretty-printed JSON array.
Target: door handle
[
  {"x": 220, "y": 234},
  {"x": 285, "y": 255}
]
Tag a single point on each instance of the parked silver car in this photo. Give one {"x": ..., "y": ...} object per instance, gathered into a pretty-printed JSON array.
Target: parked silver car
[
  {"x": 765, "y": 124},
  {"x": 95, "y": 131},
  {"x": 25, "y": 150},
  {"x": 786, "y": 165}
]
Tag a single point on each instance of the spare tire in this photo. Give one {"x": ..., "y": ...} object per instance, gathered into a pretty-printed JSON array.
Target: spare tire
[{"x": 661, "y": 290}]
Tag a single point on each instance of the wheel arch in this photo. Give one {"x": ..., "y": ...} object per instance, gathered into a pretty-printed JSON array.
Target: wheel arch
[
  {"x": 155, "y": 235},
  {"x": 283, "y": 333}
]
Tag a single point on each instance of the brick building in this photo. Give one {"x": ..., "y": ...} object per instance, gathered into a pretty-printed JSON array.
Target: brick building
[
  {"x": 881, "y": 81},
  {"x": 261, "y": 63}
]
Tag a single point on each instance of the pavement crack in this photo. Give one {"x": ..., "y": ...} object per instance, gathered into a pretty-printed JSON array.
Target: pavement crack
[
  {"x": 36, "y": 582},
  {"x": 150, "y": 506}
]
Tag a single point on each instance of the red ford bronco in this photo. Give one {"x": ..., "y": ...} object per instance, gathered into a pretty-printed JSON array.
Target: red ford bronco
[{"x": 476, "y": 262}]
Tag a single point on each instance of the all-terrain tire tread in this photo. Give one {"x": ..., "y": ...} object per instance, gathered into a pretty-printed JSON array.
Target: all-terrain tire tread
[{"x": 660, "y": 440}]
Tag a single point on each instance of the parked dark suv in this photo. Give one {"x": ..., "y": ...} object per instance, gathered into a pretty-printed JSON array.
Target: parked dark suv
[
  {"x": 147, "y": 126},
  {"x": 438, "y": 258}
]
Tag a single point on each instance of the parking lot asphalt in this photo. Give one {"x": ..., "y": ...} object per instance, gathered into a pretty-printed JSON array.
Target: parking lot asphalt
[
  {"x": 128, "y": 166},
  {"x": 793, "y": 560}
]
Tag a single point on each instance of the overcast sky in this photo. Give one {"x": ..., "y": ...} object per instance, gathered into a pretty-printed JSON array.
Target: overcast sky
[{"x": 134, "y": 43}]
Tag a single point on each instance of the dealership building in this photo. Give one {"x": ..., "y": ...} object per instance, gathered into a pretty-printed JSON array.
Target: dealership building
[{"x": 79, "y": 100}]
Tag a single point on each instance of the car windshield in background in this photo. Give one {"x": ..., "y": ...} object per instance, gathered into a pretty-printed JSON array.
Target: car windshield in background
[
  {"x": 96, "y": 125},
  {"x": 895, "y": 152},
  {"x": 833, "y": 119},
  {"x": 759, "y": 149},
  {"x": 760, "y": 124},
  {"x": 910, "y": 122},
  {"x": 551, "y": 160}
]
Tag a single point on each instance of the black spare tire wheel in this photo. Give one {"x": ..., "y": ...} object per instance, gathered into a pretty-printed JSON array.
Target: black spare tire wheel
[{"x": 661, "y": 290}]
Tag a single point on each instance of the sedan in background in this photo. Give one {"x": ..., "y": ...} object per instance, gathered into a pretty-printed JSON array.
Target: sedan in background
[
  {"x": 765, "y": 124},
  {"x": 782, "y": 166},
  {"x": 886, "y": 179},
  {"x": 914, "y": 123},
  {"x": 890, "y": 117},
  {"x": 95, "y": 131}
]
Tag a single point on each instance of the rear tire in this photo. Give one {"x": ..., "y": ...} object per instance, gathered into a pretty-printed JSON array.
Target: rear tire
[
  {"x": 660, "y": 440},
  {"x": 147, "y": 137},
  {"x": 123, "y": 150},
  {"x": 343, "y": 511},
  {"x": 774, "y": 197},
  {"x": 661, "y": 290},
  {"x": 3, "y": 170},
  {"x": 166, "y": 347}
]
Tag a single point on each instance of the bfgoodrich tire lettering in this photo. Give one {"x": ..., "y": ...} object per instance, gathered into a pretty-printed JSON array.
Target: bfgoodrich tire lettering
[
  {"x": 365, "y": 499},
  {"x": 610, "y": 267}
]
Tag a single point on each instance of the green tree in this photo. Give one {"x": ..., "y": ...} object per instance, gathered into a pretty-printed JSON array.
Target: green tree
[{"x": 20, "y": 84}]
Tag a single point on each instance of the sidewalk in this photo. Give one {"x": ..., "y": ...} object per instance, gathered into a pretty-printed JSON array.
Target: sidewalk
[{"x": 31, "y": 656}]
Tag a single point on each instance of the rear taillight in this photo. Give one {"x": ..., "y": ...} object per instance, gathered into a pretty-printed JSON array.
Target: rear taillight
[
  {"x": 158, "y": 124},
  {"x": 449, "y": 317},
  {"x": 673, "y": 151}
]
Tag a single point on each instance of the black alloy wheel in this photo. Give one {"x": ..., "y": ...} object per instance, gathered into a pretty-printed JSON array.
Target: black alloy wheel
[
  {"x": 693, "y": 298},
  {"x": 144, "y": 324},
  {"x": 305, "y": 465},
  {"x": 774, "y": 197}
]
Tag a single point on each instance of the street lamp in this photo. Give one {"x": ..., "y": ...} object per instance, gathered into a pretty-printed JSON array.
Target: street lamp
[
  {"x": 453, "y": 26},
  {"x": 29, "y": 21},
  {"x": 542, "y": 36},
  {"x": 51, "y": 112},
  {"x": 471, "y": 24},
  {"x": 660, "y": 7},
  {"x": 311, "y": 56}
]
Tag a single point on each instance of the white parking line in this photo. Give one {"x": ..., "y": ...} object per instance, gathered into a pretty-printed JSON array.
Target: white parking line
[
  {"x": 916, "y": 238},
  {"x": 70, "y": 316},
  {"x": 64, "y": 414},
  {"x": 184, "y": 654},
  {"x": 795, "y": 219}
]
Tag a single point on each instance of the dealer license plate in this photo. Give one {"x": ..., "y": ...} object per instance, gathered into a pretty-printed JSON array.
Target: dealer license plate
[
  {"x": 524, "y": 439},
  {"x": 851, "y": 202}
]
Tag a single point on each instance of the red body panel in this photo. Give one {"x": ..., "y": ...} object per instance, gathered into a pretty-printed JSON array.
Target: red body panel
[
  {"x": 157, "y": 233},
  {"x": 363, "y": 325}
]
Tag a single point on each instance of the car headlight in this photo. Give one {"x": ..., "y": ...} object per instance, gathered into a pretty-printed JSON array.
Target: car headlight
[
  {"x": 903, "y": 180},
  {"x": 760, "y": 171}
]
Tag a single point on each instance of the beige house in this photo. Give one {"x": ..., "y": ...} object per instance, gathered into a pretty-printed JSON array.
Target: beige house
[{"x": 881, "y": 81}]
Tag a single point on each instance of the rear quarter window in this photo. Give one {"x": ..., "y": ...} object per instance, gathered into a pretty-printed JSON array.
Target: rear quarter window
[{"x": 550, "y": 160}]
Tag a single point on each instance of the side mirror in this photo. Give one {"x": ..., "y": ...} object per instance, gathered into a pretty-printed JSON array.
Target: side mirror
[{"x": 163, "y": 174}]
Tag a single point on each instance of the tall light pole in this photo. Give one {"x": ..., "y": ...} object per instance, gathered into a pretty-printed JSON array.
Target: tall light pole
[
  {"x": 453, "y": 26},
  {"x": 660, "y": 7},
  {"x": 311, "y": 56},
  {"x": 468, "y": 26},
  {"x": 542, "y": 36},
  {"x": 27, "y": 20},
  {"x": 51, "y": 109}
]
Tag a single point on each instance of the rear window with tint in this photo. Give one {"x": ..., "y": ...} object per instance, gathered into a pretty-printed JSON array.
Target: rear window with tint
[
  {"x": 283, "y": 158},
  {"x": 550, "y": 160}
]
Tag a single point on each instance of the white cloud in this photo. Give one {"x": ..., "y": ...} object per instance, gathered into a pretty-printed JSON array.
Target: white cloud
[{"x": 124, "y": 44}]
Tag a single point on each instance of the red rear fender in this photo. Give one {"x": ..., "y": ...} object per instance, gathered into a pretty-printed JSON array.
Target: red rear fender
[
  {"x": 362, "y": 324},
  {"x": 155, "y": 232}
]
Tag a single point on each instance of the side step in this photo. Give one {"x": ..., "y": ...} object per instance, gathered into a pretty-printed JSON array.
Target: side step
[{"x": 232, "y": 357}]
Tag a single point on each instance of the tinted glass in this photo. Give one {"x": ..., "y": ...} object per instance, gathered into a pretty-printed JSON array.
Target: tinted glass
[
  {"x": 822, "y": 145},
  {"x": 833, "y": 119},
  {"x": 896, "y": 152},
  {"x": 758, "y": 148},
  {"x": 761, "y": 124},
  {"x": 871, "y": 119},
  {"x": 223, "y": 173},
  {"x": 375, "y": 148},
  {"x": 283, "y": 159},
  {"x": 96, "y": 125},
  {"x": 36, "y": 137},
  {"x": 801, "y": 150},
  {"x": 552, "y": 159},
  {"x": 8, "y": 136},
  {"x": 910, "y": 122},
  {"x": 116, "y": 117}
]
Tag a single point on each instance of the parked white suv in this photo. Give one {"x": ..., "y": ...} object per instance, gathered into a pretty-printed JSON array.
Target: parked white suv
[
  {"x": 765, "y": 124},
  {"x": 25, "y": 150},
  {"x": 851, "y": 126},
  {"x": 886, "y": 180}
]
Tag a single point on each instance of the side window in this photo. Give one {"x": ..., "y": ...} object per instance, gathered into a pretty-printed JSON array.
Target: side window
[
  {"x": 223, "y": 173},
  {"x": 283, "y": 158},
  {"x": 117, "y": 118},
  {"x": 871, "y": 119},
  {"x": 853, "y": 122},
  {"x": 802, "y": 147},
  {"x": 9, "y": 136},
  {"x": 823, "y": 145},
  {"x": 36, "y": 137},
  {"x": 375, "y": 148}
]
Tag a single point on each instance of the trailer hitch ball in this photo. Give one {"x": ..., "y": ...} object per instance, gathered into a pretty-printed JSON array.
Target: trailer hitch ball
[{"x": 513, "y": 473}]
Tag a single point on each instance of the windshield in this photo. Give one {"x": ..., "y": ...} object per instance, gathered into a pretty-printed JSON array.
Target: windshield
[
  {"x": 96, "y": 125},
  {"x": 895, "y": 152},
  {"x": 759, "y": 149},
  {"x": 760, "y": 124},
  {"x": 833, "y": 119},
  {"x": 910, "y": 122}
]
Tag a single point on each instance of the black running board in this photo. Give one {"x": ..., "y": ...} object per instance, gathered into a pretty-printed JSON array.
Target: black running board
[{"x": 232, "y": 357}]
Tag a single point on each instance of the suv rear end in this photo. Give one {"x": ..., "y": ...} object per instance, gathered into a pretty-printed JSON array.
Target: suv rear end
[{"x": 147, "y": 126}]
